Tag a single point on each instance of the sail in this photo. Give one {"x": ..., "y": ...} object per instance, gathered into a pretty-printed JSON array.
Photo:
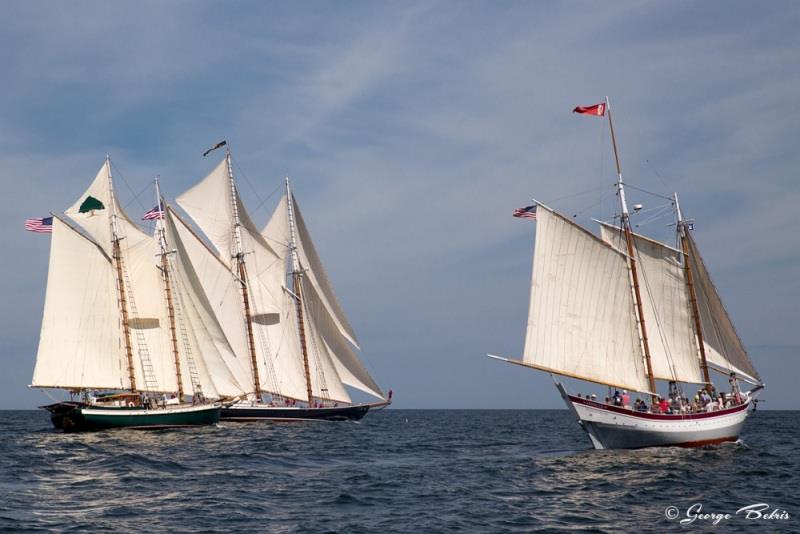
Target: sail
[
  {"x": 723, "y": 347},
  {"x": 219, "y": 371},
  {"x": 80, "y": 345},
  {"x": 94, "y": 208},
  {"x": 318, "y": 278},
  {"x": 348, "y": 366},
  {"x": 581, "y": 321},
  {"x": 279, "y": 370},
  {"x": 97, "y": 211},
  {"x": 667, "y": 310}
]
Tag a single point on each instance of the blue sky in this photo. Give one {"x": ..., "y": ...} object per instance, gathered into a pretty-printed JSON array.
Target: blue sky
[{"x": 411, "y": 131}]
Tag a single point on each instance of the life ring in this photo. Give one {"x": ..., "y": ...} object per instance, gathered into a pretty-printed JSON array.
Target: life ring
[{"x": 130, "y": 404}]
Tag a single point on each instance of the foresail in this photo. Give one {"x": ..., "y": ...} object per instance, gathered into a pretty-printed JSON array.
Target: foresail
[
  {"x": 723, "y": 347},
  {"x": 315, "y": 272},
  {"x": 581, "y": 321},
  {"x": 80, "y": 343},
  {"x": 667, "y": 310},
  {"x": 348, "y": 365}
]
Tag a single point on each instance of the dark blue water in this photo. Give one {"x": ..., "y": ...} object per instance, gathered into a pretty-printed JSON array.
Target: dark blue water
[{"x": 413, "y": 471}]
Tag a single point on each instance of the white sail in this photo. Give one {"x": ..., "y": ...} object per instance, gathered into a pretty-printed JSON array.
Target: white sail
[
  {"x": 219, "y": 369},
  {"x": 349, "y": 368},
  {"x": 80, "y": 345},
  {"x": 582, "y": 321},
  {"x": 278, "y": 367},
  {"x": 667, "y": 310},
  {"x": 325, "y": 381},
  {"x": 723, "y": 347},
  {"x": 317, "y": 276},
  {"x": 97, "y": 211}
]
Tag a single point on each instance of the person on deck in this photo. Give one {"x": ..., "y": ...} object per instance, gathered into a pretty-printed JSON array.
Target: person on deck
[
  {"x": 626, "y": 399},
  {"x": 663, "y": 406},
  {"x": 656, "y": 408}
]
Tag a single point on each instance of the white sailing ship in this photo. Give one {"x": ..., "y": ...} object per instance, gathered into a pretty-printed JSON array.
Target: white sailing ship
[
  {"x": 126, "y": 329},
  {"x": 292, "y": 343},
  {"x": 626, "y": 311}
]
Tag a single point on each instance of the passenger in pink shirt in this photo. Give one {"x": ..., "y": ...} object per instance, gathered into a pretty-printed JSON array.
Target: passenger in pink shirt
[{"x": 626, "y": 399}]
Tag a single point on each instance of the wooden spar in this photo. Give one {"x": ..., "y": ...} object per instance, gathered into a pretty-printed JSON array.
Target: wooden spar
[
  {"x": 692, "y": 290},
  {"x": 298, "y": 283},
  {"x": 239, "y": 257},
  {"x": 297, "y": 276},
  {"x": 123, "y": 302},
  {"x": 626, "y": 225},
  {"x": 248, "y": 318},
  {"x": 162, "y": 242},
  {"x": 564, "y": 373}
]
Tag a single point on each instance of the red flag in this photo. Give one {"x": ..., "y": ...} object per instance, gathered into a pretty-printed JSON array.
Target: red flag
[{"x": 598, "y": 110}]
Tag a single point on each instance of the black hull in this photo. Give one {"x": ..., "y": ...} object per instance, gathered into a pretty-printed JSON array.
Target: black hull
[{"x": 275, "y": 413}]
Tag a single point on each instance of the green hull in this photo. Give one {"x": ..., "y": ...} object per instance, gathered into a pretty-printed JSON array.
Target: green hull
[{"x": 78, "y": 417}]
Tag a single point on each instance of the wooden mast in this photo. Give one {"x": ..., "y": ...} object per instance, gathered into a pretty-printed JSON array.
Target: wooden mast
[
  {"x": 626, "y": 225},
  {"x": 242, "y": 269},
  {"x": 162, "y": 242},
  {"x": 116, "y": 254},
  {"x": 297, "y": 275},
  {"x": 682, "y": 234}
]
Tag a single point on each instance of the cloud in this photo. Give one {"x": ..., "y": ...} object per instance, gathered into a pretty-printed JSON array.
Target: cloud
[{"x": 411, "y": 131}]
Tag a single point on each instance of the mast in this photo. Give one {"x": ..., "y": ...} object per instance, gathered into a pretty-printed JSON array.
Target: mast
[
  {"x": 162, "y": 243},
  {"x": 682, "y": 229},
  {"x": 242, "y": 268},
  {"x": 297, "y": 275},
  {"x": 123, "y": 301},
  {"x": 626, "y": 225}
]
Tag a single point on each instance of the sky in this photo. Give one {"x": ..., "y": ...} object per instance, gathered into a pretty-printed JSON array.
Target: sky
[{"x": 411, "y": 131}]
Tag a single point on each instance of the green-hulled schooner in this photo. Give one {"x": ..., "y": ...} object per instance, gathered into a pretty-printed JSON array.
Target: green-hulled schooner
[{"x": 126, "y": 328}]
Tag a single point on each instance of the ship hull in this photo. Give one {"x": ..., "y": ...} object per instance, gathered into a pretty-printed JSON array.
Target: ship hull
[
  {"x": 613, "y": 427},
  {"x": 264, "y": 412},
  {"x": 80, "y": 417}
]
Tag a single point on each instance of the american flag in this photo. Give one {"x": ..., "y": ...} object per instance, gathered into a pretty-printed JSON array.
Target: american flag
[
  {"x": 42, "y": 225},
  {"x": 156, "y": 212},
  {"x": 528, "y": 212}
]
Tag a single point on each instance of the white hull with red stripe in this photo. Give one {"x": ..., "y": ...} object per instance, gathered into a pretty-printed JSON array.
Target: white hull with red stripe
[{"x": 613, "y": 427}]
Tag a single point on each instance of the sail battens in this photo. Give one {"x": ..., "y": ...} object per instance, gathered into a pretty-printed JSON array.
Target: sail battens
[{"x": 581, "y": 319}]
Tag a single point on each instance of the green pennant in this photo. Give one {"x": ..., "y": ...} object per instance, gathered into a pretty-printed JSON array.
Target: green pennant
[{"x": 91, "y": 204}]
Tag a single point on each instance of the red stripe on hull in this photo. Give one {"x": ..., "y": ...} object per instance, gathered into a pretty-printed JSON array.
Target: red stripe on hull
[{"x": 701, "y": 443}]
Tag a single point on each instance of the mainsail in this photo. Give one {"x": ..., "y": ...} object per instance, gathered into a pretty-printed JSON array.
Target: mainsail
[
  {"x": 79, "y": 345},
  {"x": 582, "y": 321},
  {"x": 724, "y": 349},
  {"x": 667, "y": 311}
]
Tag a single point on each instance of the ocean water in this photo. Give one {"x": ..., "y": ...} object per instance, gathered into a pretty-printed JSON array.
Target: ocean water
[{"x": 415, "y": 471}]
